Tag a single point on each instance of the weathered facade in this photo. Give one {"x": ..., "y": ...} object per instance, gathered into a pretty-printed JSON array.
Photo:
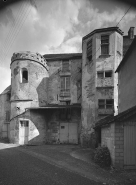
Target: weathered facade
[
  {"x": 102, "y": 53},
  {"x": 45, "y": 102},
  {"x": 118, "y": 133},
  {"x": 58, "y": 98}
]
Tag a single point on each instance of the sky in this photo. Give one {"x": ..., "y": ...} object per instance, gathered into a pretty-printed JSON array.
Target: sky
[{"x": 55, "y": 26}]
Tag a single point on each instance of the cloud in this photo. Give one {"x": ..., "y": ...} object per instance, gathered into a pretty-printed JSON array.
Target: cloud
[
  {"x": 53, "y": 26},
  {"x": 5, "y": 78}
]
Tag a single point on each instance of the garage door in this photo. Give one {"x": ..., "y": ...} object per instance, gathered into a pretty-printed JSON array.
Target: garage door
[
  {"x": 68, "y": 133},
  {"x": 130, "y": 145}
]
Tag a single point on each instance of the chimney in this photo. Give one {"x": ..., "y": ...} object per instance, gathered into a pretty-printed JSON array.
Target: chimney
[{"x": 131, "y": 32}]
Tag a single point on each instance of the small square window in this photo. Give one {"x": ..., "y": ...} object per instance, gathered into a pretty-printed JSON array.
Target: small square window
[
  {"x": 101, "y": 104},
  {"x": 108, "y": 74},
  {"x": 62, "y": 127},
  {"x": 100, "y": 74},
  {"x": 109, "y": 103}
]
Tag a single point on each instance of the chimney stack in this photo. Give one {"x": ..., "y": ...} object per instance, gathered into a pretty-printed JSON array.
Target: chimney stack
[{"x": 131, "y": 32}]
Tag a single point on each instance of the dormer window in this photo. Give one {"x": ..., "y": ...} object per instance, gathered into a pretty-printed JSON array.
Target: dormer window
[
  {"x": 104, "y": 44},
  {"x": 24, "y": 76}
]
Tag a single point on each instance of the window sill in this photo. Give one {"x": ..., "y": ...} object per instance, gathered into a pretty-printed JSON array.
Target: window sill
[
  {"x": 65, "y": 73},
  {"x": 104, "y": 56}
]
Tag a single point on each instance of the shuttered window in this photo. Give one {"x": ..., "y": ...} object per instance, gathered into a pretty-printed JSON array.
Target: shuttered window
[
  {"x": 7, "y": 116},
  {"x": 65, "y": 83},
  {"x": 65, "y": 65},
  {"x": 105, "y": 44},
  {"x": 89, "y": 50}
]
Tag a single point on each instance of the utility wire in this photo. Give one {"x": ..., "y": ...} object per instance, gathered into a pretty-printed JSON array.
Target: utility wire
[
  {"x": 12, "y": 31},
  {"x": 15, "y": 31},
  {"x": 19, "y": 28}
]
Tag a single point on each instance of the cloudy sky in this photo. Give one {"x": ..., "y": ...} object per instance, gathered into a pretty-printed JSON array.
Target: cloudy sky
[{"x": 55, "y": 26}]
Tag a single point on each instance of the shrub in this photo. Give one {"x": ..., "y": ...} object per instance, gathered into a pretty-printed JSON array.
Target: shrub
[{"x": 102, "y": 156}]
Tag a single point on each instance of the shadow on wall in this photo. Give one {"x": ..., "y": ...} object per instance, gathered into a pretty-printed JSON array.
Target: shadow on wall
[
  {"x": 42, "y": 92},
  {"x": 37, "y": 127}
]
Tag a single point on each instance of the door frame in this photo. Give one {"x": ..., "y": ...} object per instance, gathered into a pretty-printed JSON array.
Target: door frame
[{"x": 20, "y": 131}]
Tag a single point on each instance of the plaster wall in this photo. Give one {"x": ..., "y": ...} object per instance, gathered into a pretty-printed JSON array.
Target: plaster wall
[
  {"x": 4, "y": 107},
  {"x": 37, "y": 127},
  {"x": 54, "y": 82},
  {"x": 94, "y": 88},
  {"x": 35, "y": 89},
  {"x": 108, "y": 139}
]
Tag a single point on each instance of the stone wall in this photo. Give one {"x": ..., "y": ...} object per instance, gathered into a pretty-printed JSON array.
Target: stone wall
[
  {"x": 112, "y": 136},
  {"x": 54, "y": 82},
  {"x": 108, "y": 139},
  {"x": 119, "y": 145}
]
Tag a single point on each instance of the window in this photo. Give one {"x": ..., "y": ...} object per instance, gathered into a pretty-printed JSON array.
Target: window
[
  {"x": 24, "y": 75},
  {"x": 65, "y": 65},
  {"x": 65, "y": 83},
  {"x": 109, "y": 104},
  {"x": 105, "y": 44},
  {"x": 108, "y": 74},
  {"x": 24, "y": 123},
  {"x": 89, "y": 50},
  {"x": 104, "y": 74},
  {"x": 7, "y": 116},
  {"x": 100, "y": 74},
  {"x": 101, "y": 104},
  {"x": 105, "y": 103}
]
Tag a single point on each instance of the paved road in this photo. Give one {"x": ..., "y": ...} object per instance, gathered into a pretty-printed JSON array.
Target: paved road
[{"x": 17, "y": 167}]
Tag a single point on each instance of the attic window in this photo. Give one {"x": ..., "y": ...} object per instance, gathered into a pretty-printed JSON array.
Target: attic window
[
  {"x": 105, "y": 44},
  {"x": 24, "y": 75}
]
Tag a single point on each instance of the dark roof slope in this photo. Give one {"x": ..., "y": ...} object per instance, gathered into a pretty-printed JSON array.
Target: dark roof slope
[
  {"x": 127, "y": 54},
  {"x": 62, "y": 56},
  {"x": 104, "y": 30},
  {"x": 126, "y": 43},
  {"x": 120, "y": 117}
]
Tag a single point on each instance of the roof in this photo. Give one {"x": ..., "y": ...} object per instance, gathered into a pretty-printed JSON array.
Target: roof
[
  {"x": 7, "y": 90},
  {"x": 120, "y": 117},
  {"x": 127, "y": 54},
  {"x": 55, "y": 106},
  {"x": 62, "y": 56},
  {"x": 104, "y": 30},
  {"x": 126, "y": 43}
]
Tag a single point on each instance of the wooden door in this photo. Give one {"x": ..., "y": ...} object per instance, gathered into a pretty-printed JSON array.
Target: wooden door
[
  {"x": 73, "y": 135},
  {"x": 23, "y": 132},
  {"x": 63, "y": 132},
  {"x": 130, "y": 145}
]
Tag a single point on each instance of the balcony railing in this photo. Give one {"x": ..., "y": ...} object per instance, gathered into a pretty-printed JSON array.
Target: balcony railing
[{"x": 65, "y": 93}]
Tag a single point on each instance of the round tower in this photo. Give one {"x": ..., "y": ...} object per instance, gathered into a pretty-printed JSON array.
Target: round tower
[{"x": 29, "y": 75}]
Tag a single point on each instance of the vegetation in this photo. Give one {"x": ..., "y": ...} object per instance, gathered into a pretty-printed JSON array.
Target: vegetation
[{"x": 102, "y": 156}]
